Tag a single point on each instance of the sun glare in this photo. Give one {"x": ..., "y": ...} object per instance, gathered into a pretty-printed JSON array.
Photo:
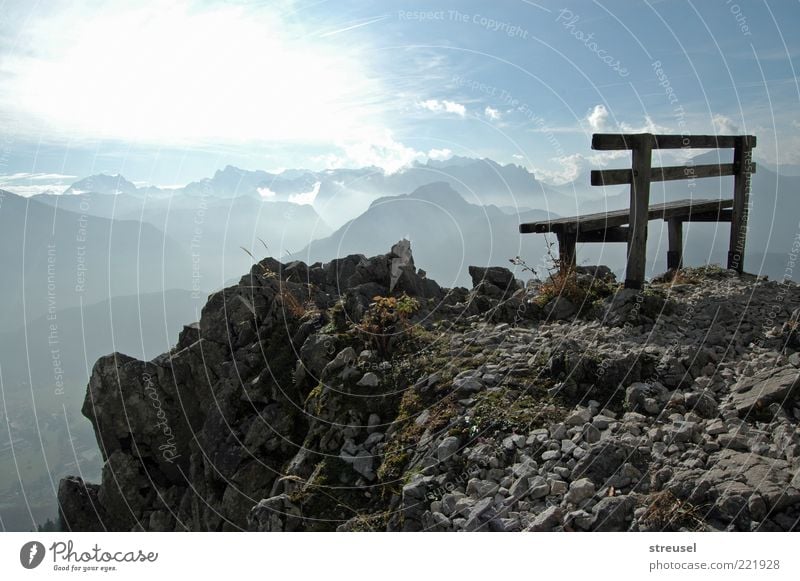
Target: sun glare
[{"x": 175, "y": 74}]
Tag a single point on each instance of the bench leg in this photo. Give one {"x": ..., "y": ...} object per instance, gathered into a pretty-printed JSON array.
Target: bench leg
[
  {"x": 640, "y": 203},
  {"x": 675, "y": 252},
  {"x": 742, "y": 157},
  {"x": 566, "y": 250}
]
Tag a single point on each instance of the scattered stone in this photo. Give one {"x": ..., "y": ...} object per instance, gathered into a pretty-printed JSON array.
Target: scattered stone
[
  {"x": 547, "y": 520},
  {"x": 612, "y": 513},
  {"x": 579, "y": 417},
  {"x": 753, "y": 394},
  {"x": 649, "y": 398},
  {"x": 448, "y": 447},
  {"x": 560, "y": 308},
  {"x": 710, "y": 424},
  {"x": 579, "y": 490},
  {"x": 369, "y": 380}
]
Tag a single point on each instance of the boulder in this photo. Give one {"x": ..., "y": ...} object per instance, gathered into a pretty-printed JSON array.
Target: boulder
[
  {"x": 78, "y": 506},
  {"x": 579, "y": 490},
  {"x": 752, "y": 395},
  {"x": 547, "y": 520},
  {"x": 646, "y": 398},
  {"x": 604, "y": 459},
  {"x": 500, "y": 277},
  {"x": 276, "y": 514},
  {"x": 612, "y": 513},
  {"x": 560, "y": 308}
]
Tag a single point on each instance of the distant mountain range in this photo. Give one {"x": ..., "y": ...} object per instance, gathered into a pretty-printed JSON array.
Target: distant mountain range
[
  {"x": 442, "y": 226},
  {"x": 339, "y": 195},
  {"x": 328, "y": 212},
  {"x": 53, "y": 258},
  {"x": 110, "y": 262}
]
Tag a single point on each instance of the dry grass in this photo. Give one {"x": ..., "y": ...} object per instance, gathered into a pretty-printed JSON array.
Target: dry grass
[
  {"x": 563, "y": 281},
  {"x": 666, "y": 512},
  {"x": 291, "y": 304}
]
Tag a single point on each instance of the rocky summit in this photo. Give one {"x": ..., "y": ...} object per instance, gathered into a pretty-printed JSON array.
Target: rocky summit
[{"x": 359, "y": 395}]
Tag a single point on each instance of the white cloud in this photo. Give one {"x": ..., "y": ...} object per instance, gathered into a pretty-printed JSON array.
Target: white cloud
[
  {"x": 27, "y": 191},
  {"x": 31, "y": 184},
  {"x": 187, "y": 72},
  {"x": 571, "y": 167},
  {"x": 35, "y": 176},
  {"x": 372, "y": 149},
  {"x": 306, "y": 198},
  {"x": 518, "y": 156},
  {"x": 648, "y": 126},
  {"x": 598, "y": 121},
  {"x": 724, "y": 125},
  {"x": 598, "y": 118},
  {"x": 266, "y": 193},
  {"x": 569, "y": 170},
  {"x": 445, "y": 106},
  {"x": 379, "y": 149},
  {"x": 491, "y": 113},
  {"x": 440, "y": 154}
]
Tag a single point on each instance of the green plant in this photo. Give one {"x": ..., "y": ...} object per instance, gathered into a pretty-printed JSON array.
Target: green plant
[
  {"x": 562, "y": 280},
  {"x": 386, "y": 319}
]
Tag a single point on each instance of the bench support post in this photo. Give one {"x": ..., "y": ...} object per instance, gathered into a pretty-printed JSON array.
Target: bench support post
[
  {"x": 675, "y": 252},
  {"x": 640, "y": 202},
  {"x": 566, "y": 250},
  {"x": 742, "y": 158}
]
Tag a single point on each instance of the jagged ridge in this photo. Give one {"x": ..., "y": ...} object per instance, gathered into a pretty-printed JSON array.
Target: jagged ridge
[{"x": 497, "y": 408}]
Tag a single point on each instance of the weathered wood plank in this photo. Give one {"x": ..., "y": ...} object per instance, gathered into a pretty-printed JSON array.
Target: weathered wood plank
[
  {"x": 614, "y": 141},
  {"x": 675, "y": 236},
  {"x": 742, "y": 158},
  {"x": 641, "y": 159},
  {"x": 615, "y": 177},
  {"x": 614, "y": 218},
  {"x": 567, "y": 250},
  {"x": 617, "y": 234},
  {"x": 721, "y": 216}
]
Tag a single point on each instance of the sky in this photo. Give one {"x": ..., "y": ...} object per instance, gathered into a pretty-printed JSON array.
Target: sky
[{"x": 168, "y": 92}]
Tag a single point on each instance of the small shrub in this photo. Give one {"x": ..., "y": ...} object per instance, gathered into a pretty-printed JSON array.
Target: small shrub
[
  {"x": 385, "y": 319},
  {"x": 562, "y": 280},
  {"x": 666, "y": 512}
]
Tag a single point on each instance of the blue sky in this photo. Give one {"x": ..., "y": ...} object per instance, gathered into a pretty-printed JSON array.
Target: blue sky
[{"x": 167, "y": 92}]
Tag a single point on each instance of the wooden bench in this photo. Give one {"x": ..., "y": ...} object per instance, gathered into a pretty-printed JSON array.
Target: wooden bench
[{"x": 630, "y": 226}]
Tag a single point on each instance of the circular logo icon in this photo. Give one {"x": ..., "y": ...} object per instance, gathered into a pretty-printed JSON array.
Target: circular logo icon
[{"x": 31, "y": 554}]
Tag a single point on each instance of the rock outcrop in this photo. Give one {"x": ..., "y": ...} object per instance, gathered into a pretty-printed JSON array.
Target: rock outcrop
[{"x": 360, "y": 395}]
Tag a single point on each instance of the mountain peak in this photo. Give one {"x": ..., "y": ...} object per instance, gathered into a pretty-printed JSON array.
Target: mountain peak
[
  {"x": 103, "y": 184},
  {"x": 437, "y": 191},
  {"x": 440, "y": 193}
]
